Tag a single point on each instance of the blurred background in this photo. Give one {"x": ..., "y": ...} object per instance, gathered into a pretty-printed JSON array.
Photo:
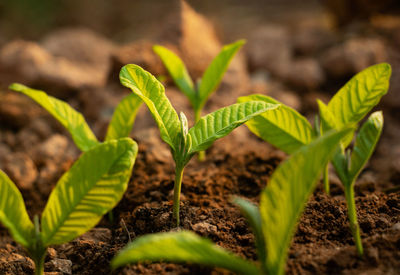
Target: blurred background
[{"x": 296, "y": 51}]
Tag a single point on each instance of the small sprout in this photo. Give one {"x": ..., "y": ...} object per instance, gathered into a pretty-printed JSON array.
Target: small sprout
[
  {"x": 184, "y": 142},
  {"x": 288, "y": 130},
  {"x": 198, "y": 94},
  {"x": 92, "y": 187},
  {"x": 273, "y": 224},
  {"x": 120, "y": 126}
]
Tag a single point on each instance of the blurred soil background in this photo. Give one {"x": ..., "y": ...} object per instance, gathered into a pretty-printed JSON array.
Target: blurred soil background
[{"x": 296, "y": 51}]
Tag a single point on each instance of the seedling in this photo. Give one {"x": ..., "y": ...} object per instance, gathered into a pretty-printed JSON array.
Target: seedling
[
  {"x": 91, "y": 187},
  {"x": 273, "y": 224},
  {"x": 198, "y": 94},
  {"x": 185, "y": 142},
  {"x": 120, "y": 126},
  {"x": 288, "y": 130}
]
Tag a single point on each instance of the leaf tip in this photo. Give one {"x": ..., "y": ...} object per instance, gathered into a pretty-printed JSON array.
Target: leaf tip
[{"x": 17, "y": 87}]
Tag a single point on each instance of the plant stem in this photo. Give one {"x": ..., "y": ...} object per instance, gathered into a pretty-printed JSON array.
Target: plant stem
[
  {"x": 177, "y": 192},
  {"x": 326, "y": 180},
  {"x": 39, "y": 264},
  {"x": 352, "y": 213},
  {"x": 197, "y": 115}
]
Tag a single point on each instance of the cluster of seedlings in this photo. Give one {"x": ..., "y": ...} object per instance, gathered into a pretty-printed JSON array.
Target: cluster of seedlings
[{"x": 98, "y": 179}]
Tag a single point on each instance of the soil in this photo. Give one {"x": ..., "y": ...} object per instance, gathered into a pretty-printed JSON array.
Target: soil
[{"x": 35, "y": 151}]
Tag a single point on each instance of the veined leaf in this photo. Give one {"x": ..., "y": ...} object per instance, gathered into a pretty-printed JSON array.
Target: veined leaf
[
  {"x": 329, "y": 122},
  {"x": 355, "y": 99},
  {"x": 284, "y": 128},
  {"x": 152, "y": 92},
  {"x": 178, "y": 72},
  {"x": 253, "y": 217},
  {"x": 286, "y": 194},
  {"x": 223, "y": 121},
  {"x": 215, "y": 71},
  {"x": 13, "y": 213},
  {"x": 91, "y": 188},
  {"x": 181, "y": 247},
  {"x": 124, "y": 117},
  {"x": 365, "y": 143},
  {"x": 72, "y": 120}
]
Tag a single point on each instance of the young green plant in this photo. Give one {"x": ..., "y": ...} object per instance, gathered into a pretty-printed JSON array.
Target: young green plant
[
  {"x": 199, "y": 93},
  {"x": 185, "y": 142},
  {"x": 287, "y": 130},
  {"x": 92, "y": 187},
  {"x": 120, "y": 126},
  {"x": 273, "y": 223}
]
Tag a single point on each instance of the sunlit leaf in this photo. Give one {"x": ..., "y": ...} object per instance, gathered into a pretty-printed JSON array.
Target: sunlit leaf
[
  {"x": 287, "y": 192},
  {"x": 91, "y": 188},
  {"x": 72, "y": 120},
  {"x": 124, "y": 117},
  {"x": 215, "y": 71},
  {"x": 181, "y": 247},
  {"x": 152, "y": 92},
  {"x": 13, "y": 213},
  {"x": 284, "y": 127},
  {"x": 355, "y": 99},
  {"x": 178, "y": 72},
  {"x": 223, "y": 121},
  {"x": 365, "y": 143}
]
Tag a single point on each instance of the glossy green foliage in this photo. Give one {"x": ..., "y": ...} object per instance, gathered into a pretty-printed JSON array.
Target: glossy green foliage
[
  {"x": 72, "y": 120},
  {"x": 178, "y": 72},
  {"x": 223, "y": 121},
  {"x": 286, "y": 194},
  {"x": 365, "y": 144},
  {"x": 211, "y": 78},
  {"x": 215, "y": 71},
  {"x": 92, "y": 187},
  {"x": 284, "y": 128},
  {"x": 282, "y": 203},
  {"x": 13, "y": 213},
  {"x": 152, "y": 92},
  {"x": 360, "y": 94},
  {"x": 122, "y": 121},
  {"x": 181, "y": 247},
  {"x": 120, "y": 126}
]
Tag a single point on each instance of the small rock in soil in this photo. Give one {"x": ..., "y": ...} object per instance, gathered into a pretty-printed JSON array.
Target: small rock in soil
[
  {"x": 305, "y": 73},
  {"x": 97, "y": 235},
  {"x": 61, "y": 265},
  {"x": 34, "y": 65},
  {"x": 396, "y": 226},
  {"x": 21, "y": 169},
  {"x": 52, "y": 150},
  {"x": 204, "y": 228},
  {"x": 17, "y": 110},
  {"x": 352, "y": 56},
  {"x": 269, "y": 48}
]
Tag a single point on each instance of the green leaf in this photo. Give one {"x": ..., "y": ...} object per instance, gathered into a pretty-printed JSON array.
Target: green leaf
[
  {"x": 91, "y": 188},
  {"x": 223, "y": 121},
  {"x": 181, "y": 247},
  {"x": 365, "y": 143},
  {"x": 72, "y": 120},
  {"x": 215, "y": 71},
  {"x": 152, "y": 92},
  {"x": 178, "y": 72},
  {"x": 253, "y": 216},
  {"x": 284, "y": 128},
  {"x": 355, "y": 99},
  {"x": 13, "y": 213},
  {"x": 124, "y": 117},
  {"x": 286, "y": 194}
]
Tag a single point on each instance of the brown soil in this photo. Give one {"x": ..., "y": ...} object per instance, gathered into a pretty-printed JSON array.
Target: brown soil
[{"x": 322, "y": 245}]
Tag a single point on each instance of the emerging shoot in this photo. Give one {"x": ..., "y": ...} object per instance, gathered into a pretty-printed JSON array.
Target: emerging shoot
[
  {"x": 185, "y": 142},
  {"x": 208, "y": 84}
]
